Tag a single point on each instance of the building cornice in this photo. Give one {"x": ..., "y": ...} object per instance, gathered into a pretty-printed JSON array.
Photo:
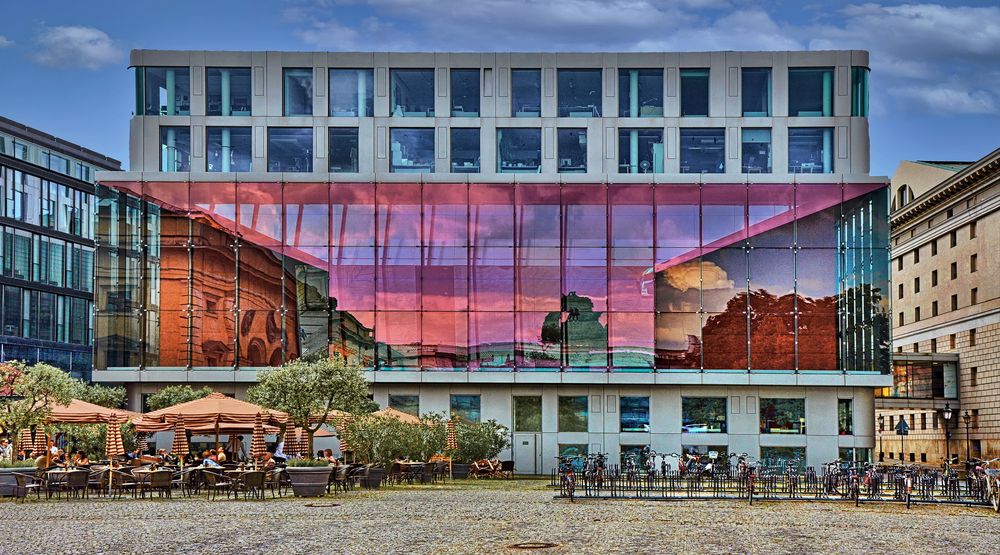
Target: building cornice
[{"x": 984, "y": 170}]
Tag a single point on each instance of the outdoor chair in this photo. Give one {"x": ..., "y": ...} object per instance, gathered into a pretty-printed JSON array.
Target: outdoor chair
[
  {"x": 25, "y": 484},
  {"x": 141, "y": 480},
  {"x": 161, "y": 482},
  {"x": 186, "y": 481},
  {"x": 427, "y": 475},
  {"x": 395, "y": 474},
  {"x": 214, "y": 483},
  {"x": 252, "y": 484},
  {"x": 275, "y": 481},
  {"x": 97, "y": 480},
  {"x": 355, "y": 475},
  {"x": 122, "y": 482},
  {"x": 76, "y": 483},
  {"x": 506, "y": 469},
  {"x": 441, "y": 471}
]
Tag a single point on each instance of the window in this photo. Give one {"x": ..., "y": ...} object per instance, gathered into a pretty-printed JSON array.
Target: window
[
  {"x": 412, "y": 92},
  {"x": 916, "y": 314},
  {"x": 756, "y": 151},
  {"x": 572, "y": 449},
  {"x": 640, "y": 93},
  {"x": 175, "y": 149},
  {"x": 351, "y": 93},
  {"x": 953, "y": 238},
  {"x": 934, "y": 308},
  {"x": 916, "y": 347},
  {"x": 228, "y": 91},
  {"x": 465, "y": 93},
  {"x": 900, "y": 288},
  {"x": 972, "y": 230},
  {"x": 465, "y": 150},
  {"x": 410, "y": 404},
  {"x": 901, "y": 319},
  {"x": 756, "y": 92},
  {"x": 954, "y": 270},
  {"x": 526, "y": 93},
  {"x": 951, "y": 341},
  {"x": 934, "y": 345},
  {"x": 572, "y": 151},
  {"x": 778, "y": 457},
  {"x": 973, "y": 376},
  {"x": 934, "y": 247},
  {"x": 703, "y": 150},
  {"x": 519, "y": 150},
  {"x": 527, "y": 414},
  {"x": 845, "y": 417},
  {"x": 694, "y": 92},
  {"x": 465, "y": 408},
  {"x": 298, "y": 91},
  {"x": 934, "y": 278},
  {"x": 810, "y": 92},
  {"x": 954, "y": 302},
  {"x": 899, "y": 263},
  {"x": 916, "y": 255},
  {"x": 634, "y": 414},
  {"x": 974, "y": 295},
  {"x": 923, "y": 421},
  {"x": 703, "y": 415},
  {"x": 782, "y": 416},
  {"x": 810, "y": 150},
  {"x": 344, "y": 150},
  {"x": 972, "y": 337},
  {"x": 640, "y": 151},
  {"x": 573, "y": 414},
  {"x": 412, "y": 150},
  {"x": 973, "y": 263},
  {"x": 916, "y": 285},
  {"x": 579, "y": 93},
  {"x": 166, "y": 91},
  {"x": 859, "y": 91},
  {"x": 289, "y": 149},
  {"x": 228, "y": 149}
]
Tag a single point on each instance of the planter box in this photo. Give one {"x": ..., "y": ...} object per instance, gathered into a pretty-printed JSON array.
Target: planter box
[
  {"x": 8, "y": 482},
  {"x": 460, "y": 471},
  {"x": 308, "y": 481},
  {"x": 374, "y": 478}
]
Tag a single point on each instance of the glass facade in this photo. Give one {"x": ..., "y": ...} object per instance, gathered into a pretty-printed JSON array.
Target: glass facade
[
  {"x": 163, "y": 91},
  {"x": 579, "y": 93},
  {"x": 412, "y": 92},
  {"x": 921, "y": 380},
  {"x": 525, "y": 93},
  {"x": 694, "y": 92},
  {"x": 175, "y": 149},
  {"x": 465, "y": 93},
  {"x": 228, "y": 149},
  {"x": 228, "y": 91},
  {"x": 756, "y": 91},
  {"x": 572, "y": 150},
  {"x": 810, "y": 150},
  {"x": 344, "y": 150},
  {"x": 519, "y": 150},
  {"x": 297, "y": 91},
  {"x": 465, "y": 150},
  {"x": 859, "y": 91},
  {"x": 41, "y": 156},
  {"x": 703, "y": 150},
  {"x": 640, "y": 93},
  {"x": 640, "y": 151},
  {"x": 498, "y": 277},
  {"x": 289, "y": 149},
  {"x": 756, "y": 151},
  {"x": 412, "y": 150},
  {"x": 810, "y": 91},
  {"x": 351, "y": 93}
]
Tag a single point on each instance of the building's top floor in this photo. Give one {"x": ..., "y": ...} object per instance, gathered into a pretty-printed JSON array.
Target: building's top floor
[
  {"x": 597, "y": 113},
  {"x": 61, "y": 156}
]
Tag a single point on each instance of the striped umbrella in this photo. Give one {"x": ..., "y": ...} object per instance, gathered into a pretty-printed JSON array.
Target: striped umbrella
[
  {"x": 41, "y": 442},
  {"x": 113, "y": 446},
  {"x": 24, "y": 443},
  {"x": 340, "y": 424},
  {"x": 143, "y": 441},
  {"x": 296, "y": 444},
  {"x": 179, "y": 447},
  {"x": 257, "y": 445},
  {"x": 451, "y": 443}
]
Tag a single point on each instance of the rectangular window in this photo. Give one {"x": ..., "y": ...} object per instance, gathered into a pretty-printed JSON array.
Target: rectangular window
[
  {"x": 954, "y": 302},
  {"x": 810, "y": 150},
  {"x": 782, "y": 416},
  {"x": 974, "y": 376},
  {"x": 640, "y": 93},
  {"x": 810, "y": 92},
  {"x": 954, "y": 270},
  {"x": 175, "y": 149},
  {"x": 289, "y": 149},
  {"x": 778, "y": 457},
  {"x": 634, "y": 414},
  {"x": 526, "y": 93},
  {"x": 344, "y": 150},
  {"x": 412, "y": 150},
  {"x": 579, "y": 93},
  {"x": 166, "y": 91},
  {"x": 756, "y": 151},
  {"x": 934, "y": 308},
  {"x": 845, "y": 417},
  {"x": 953, "y": 238},
  {"x": 466, "y": 408},
  {"x": 58, "y": 164},
  {"x": 298, "y": 91},
  {"x": 573, "y": 413},
  {"x": 572, "y": 449},
  {"x": 527, "y": 413},
  {"x": 934, "y": 345},
  {"x": 410, "y": 404},
  {"x": 465, "y": 150},
  {"x": 694, "y": 92},
  {"x": 972, "y": 230},
  {"x": 899, "y": 263},
  {"x": 900, "y": 288},
  {"x": 934, "y": 278},
  {"x": 703, "y": 150},
  {"x": 916, "y": 255},
  {"x": 228, "y": 91},
  {"x": 934, "y": 247},
  {"x": 412, "y": 93},
  {"x": 519, "y": 150},
  {"x": 228, "y": 149},
  {"x": 916, "y": 314},
  {"x": 572, "y": 150},
  {"x": 951, "y": 341},
  {"x": 916, "y": 285},
  {"x": 465, "y": 93},
  {"x": 640, "y": 151},
  {"x": 973, "y": 263},
  {"x": 974, "y": 296},
  {"x": 703, "y": 415},
  {"x": 351, "y": 93},
  {"x": 859, "y": 91},
  {"x": 756, "y": 83}
]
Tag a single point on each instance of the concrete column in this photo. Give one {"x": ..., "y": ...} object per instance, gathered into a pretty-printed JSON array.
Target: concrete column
[
  {"x": 170, "y": 160},
  {"x": 362, "y": 85},
  {"x": 227, "y": 145},
  {"x": 171, "y": 95},
  {"x": 827, "y": 93},
  {"x": 226, "y": 111}
]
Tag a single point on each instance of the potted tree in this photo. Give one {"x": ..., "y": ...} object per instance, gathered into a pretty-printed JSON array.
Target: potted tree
[
  {"x": 308, "y": 476},
  {"x": 477, "y": 441}
]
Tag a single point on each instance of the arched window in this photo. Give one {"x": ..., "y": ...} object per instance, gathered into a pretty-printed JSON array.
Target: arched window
[{"x": 904, "y": 194}]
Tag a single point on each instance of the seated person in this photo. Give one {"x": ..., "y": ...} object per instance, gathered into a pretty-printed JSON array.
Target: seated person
[
  {"x": 59, "y": 459},
  {"x": 40, "y": 462},
  {"x": 328, "y": 456},
  {"x": 80, "y": 459},
  {"x": 211, "y": 461},
  {"x": 220, "y": 455},
  {"x": 268, "y": 463}
]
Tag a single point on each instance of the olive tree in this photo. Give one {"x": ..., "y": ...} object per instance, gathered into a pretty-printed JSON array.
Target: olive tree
[
  {"x": 31, "y": 393},
  {"x": 176, "y": 394}
]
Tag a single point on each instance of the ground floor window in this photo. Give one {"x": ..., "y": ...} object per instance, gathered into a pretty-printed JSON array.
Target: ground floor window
[
  {"x": 782, "y": 416},
  {"x": 716, "y": 454},
  {"x": 703, "y": 415},
  {"x": 778, "y": 457},
  {"x": 410, "y": 404},
  {"x": 573, "y": 413},
  {"x": 527, "y": 414},
  {"x": 465, "y": 408},
  {"x": 634, "y": 414}
]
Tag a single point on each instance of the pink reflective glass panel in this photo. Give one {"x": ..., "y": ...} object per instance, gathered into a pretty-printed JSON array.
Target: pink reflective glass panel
[
  {"x": 723, "y": 215},
  {"x": 352, "y": 279},
  {"x": 259, "y": 207},
  {"x": 631, "y": 280},
  {"x": 491, "y": 215},
  {"x": 397, "y": 337},
  {"x": 214, "y": 204},
  {"x": 260, "y": 285},
  {"x": 631, "y": 339},
  {"x": 771, "y": 215},
  {"x": 491, "y": 279},
  {"x": 307, "y": 214},
  {"x": 446, "y": 215},
  {"x": 399, "y": 214},
  {"x": 537, "y": 215},
  {"x": 585, "y": 218},
  {"x": 539, "y": 284},
  {"x": 352, "y": 214},
  {"x": 538, "y": 336},
  {"x": 586, "y": 276},
  {"x": 398, "y": 278},
  {"x": 491, "y": 340},
  {"x": 678, "y": 219},
  {"x": 631, "y": 216},
  {"x": 445, "y": 340},
  {"x": 445, "y": 275}
]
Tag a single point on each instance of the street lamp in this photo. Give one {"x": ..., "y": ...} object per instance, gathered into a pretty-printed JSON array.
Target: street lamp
[
  {"x": 967, "y": 418},
  {"x": 881, "y": 429},
  {"x": 946, "y": 414}
]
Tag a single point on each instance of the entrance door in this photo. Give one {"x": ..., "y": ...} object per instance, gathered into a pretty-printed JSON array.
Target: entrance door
[{"x": 526, "y": 454}]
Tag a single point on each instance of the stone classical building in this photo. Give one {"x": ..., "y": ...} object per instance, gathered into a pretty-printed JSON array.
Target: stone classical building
[{"x": 946, "y": 312}]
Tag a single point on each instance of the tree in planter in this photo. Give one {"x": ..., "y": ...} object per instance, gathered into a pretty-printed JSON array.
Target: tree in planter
[
  {"x": 33, "y": 390},
  {"x": 478, "y": 441},
  {"x": 175, "y": 395},
  {"x": 308, "y": 390},
  {"x": 380, "y": 440}
]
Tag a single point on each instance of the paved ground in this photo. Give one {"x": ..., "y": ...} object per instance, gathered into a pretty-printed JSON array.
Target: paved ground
[{"x": 485, "y": 518}]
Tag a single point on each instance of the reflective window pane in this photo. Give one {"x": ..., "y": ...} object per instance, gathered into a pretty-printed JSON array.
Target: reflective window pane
[
  {"x": 678, "y": 340},
  {"x": 465, "y": 93},
  {"x": 756, "y": 151},
  {"x": 175, "y": 149},
  {"x": 640, "y": 151},
  {"x": 466, "y": 408},
  {"x": 640, "y": 93},
  {"x": 228, "y": 149},
  {"x": 859, "y": 91},
  {"x": 412, "y": 150},
  {"x": 289, "y": 149},
  {"x": 526, "y": 93},
  {"x": 703, "y": 415},
  {"x": 573, "y": 413},
  {"x": 579, "y": 93},
  {"x": 298, "y": 91},
  {"x": 465, "y": 150},
  {"x": 756, "y": 92},
  {"x": 166, "y": 91},
  {"x": 445, "y": 341},
  {"x": 351, "y": 93},
  {"x": 519, "y": 150},
  {"x": 410, "y": 404},
  {"x": 228, "y": 91},
  {"x": 810, "y": 91},
  {"x": 491, "y": 345},
  {"x": 397, "y": 340},
  {"x": 810, "y": 150},
  {"x": 782, "y": 416},
  {"x": 527, "y": 413},
  {"x": 694, "y": 92},
  {"x": 572, "y": 150},
  {"x": 344, "y": 150},
  {"x": 630, "y": 340},
  {"x": 412, "y": 92},
  {"x": 703, "y": 150},
  {"x": 634, "y": 414}
]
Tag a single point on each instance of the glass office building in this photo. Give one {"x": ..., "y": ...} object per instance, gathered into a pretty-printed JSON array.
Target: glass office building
[
  {"x": 598, "y": 272},
  {"x": 47, "y": 210}
]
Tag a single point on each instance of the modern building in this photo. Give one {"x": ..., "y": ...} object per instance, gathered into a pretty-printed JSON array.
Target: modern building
[
  {"x": 47, "y": 257},
  {"x": 946, "y": 312},
  {"x": 601, "y": 251}
]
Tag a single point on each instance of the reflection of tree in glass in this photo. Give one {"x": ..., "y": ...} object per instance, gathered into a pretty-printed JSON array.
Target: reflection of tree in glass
[{"x": 579, "y": 329}]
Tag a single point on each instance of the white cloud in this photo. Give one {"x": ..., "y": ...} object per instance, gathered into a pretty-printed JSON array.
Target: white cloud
[
  {"x": 947, "y": 99},
  {"x": 5, "y": 42},
  {"x": 76, "y": 47}
]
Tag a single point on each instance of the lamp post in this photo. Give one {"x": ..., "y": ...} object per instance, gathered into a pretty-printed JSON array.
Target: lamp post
[
  {"x": 967, "y": 418},
  {"x": 881, "y": 429},
  {"x": 946, "y": 414}
]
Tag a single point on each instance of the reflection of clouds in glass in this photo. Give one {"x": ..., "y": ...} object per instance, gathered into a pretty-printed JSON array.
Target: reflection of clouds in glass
[{"x": 691, "y": 275}]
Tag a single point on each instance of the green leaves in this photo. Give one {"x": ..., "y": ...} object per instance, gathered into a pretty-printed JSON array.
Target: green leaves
[
  {"x": 483, "y": 440},
  {"x": 34, "y": 390},
  {"x": 174, "y": 395},
  {"x": 383, "y": 439}
]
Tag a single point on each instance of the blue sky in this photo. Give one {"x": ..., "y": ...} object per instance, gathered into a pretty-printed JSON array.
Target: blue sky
[{"x": 935, "y": 67}]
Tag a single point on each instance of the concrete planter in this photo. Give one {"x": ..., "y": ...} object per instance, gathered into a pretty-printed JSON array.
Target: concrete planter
[
  {"x": 308, "y": 481},
  {"x": 374, "y": 478},
  {"x": 460, "y": 471},
  {"x": 7, "y": 480}
]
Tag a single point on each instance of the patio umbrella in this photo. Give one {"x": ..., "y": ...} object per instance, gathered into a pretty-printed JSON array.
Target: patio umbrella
[
  {"x": 257, "y": 445},
  {"x": 293, "y": 442},
  {"x": 41, "y": 442},
  {"x": 216, "y": 412},
  {"x": 143, "y": 440},
  {"x": 24, "y": 443},
  {"x": 179, "y": 447},
  {"x": 113, "y": 446},
  {"x": 451, "y": 443}
]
